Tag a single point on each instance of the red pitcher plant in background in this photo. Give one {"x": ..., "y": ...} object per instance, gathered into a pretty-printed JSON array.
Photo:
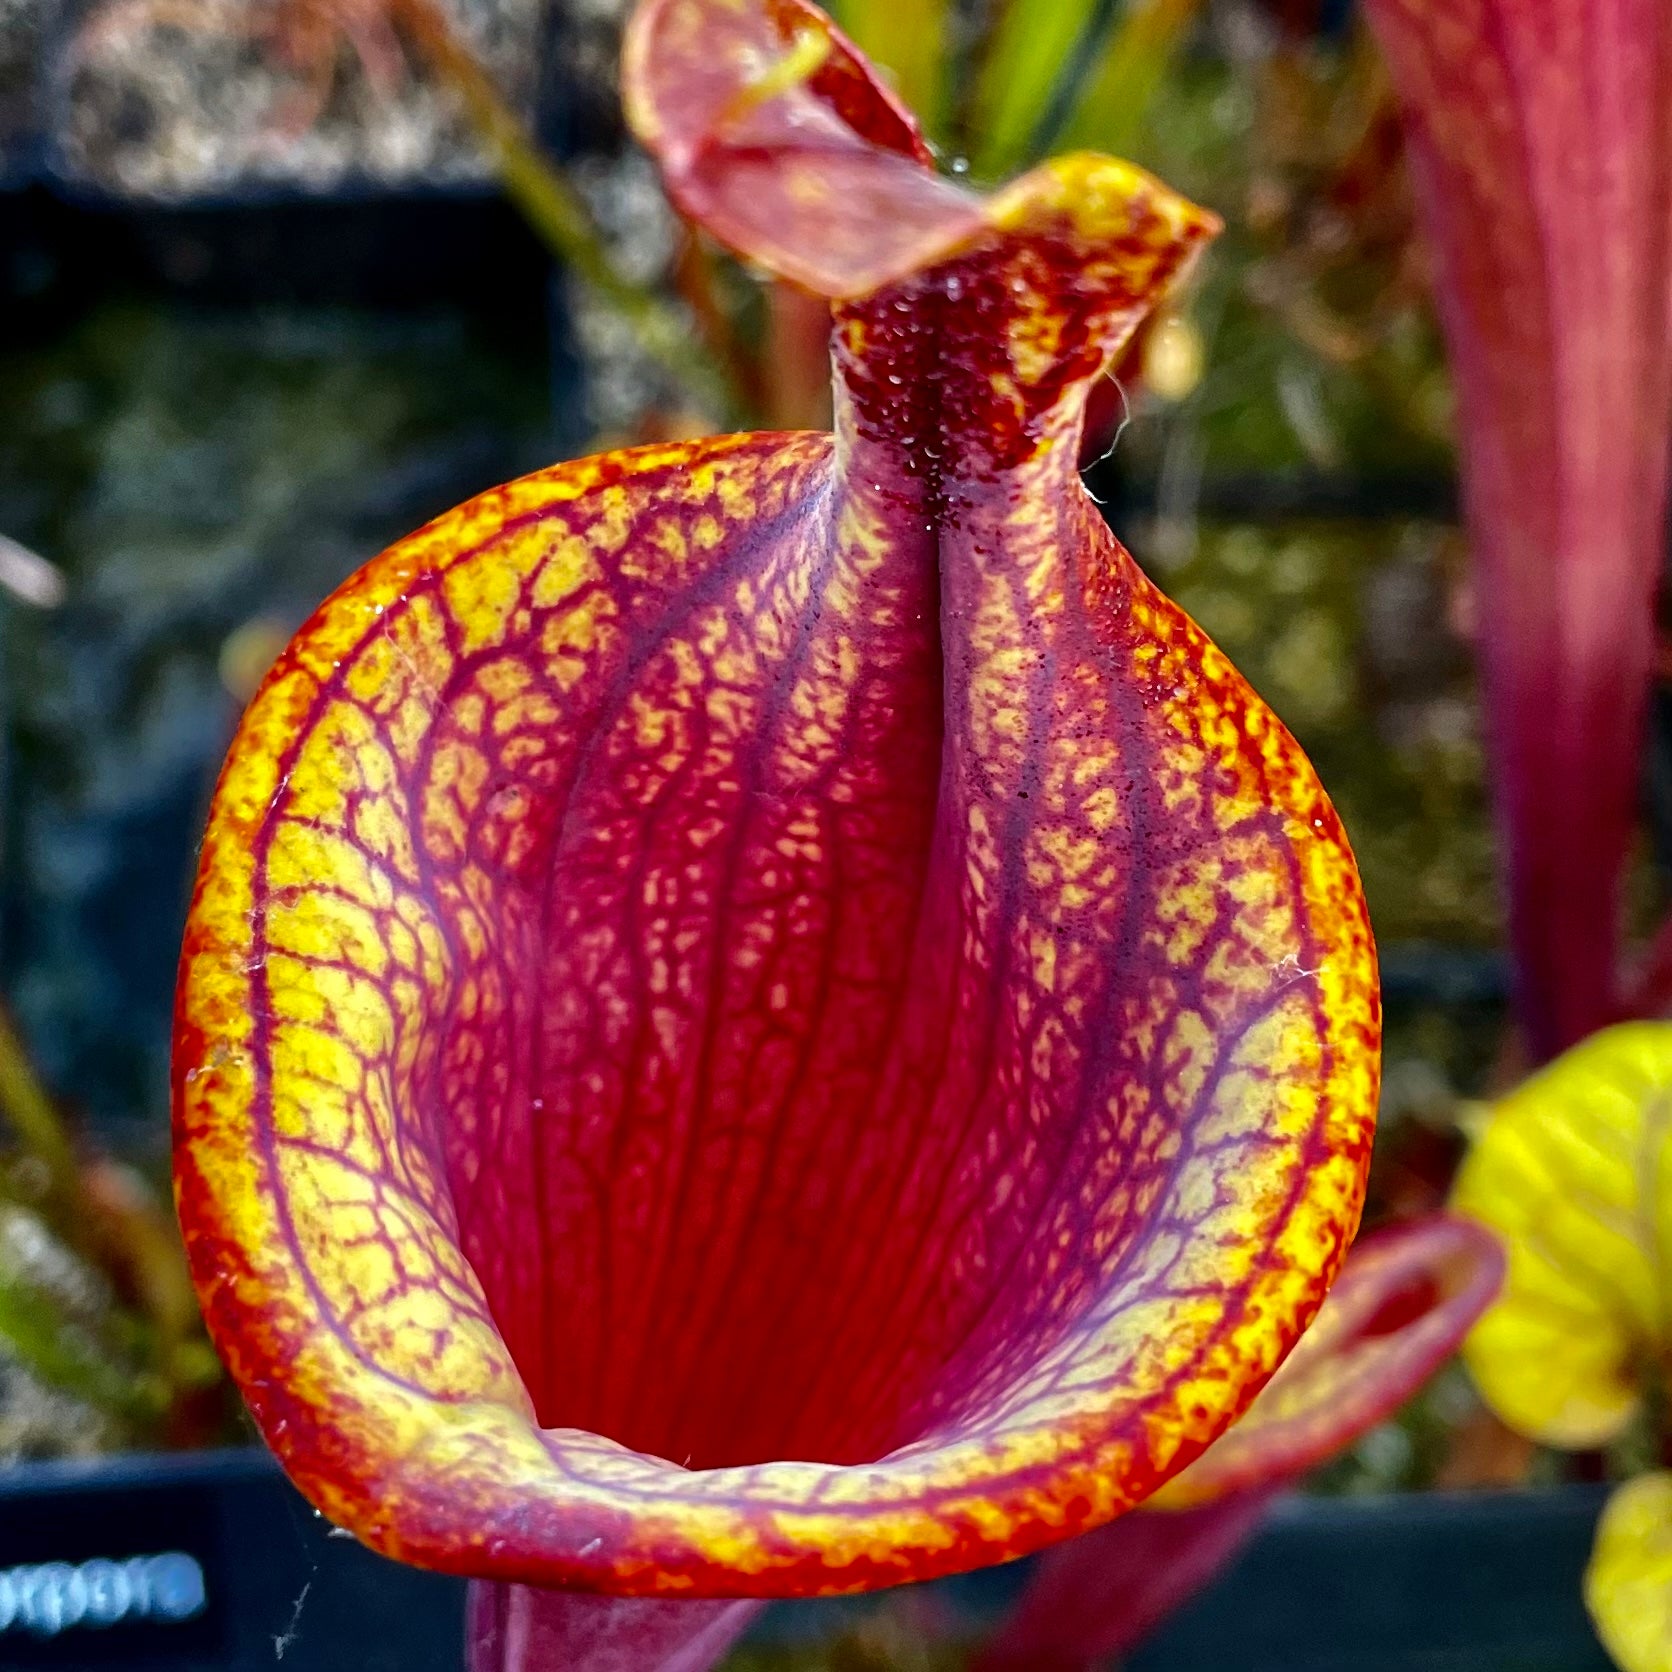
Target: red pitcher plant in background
[
  {"x": 1404, "y": 1301},
  {"x": 765, "y": 1017},
  {"x": 1540, "y": 132}
]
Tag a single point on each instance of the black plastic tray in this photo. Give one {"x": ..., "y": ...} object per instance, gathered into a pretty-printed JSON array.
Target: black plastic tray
[{"x": 250, "y": 1578}]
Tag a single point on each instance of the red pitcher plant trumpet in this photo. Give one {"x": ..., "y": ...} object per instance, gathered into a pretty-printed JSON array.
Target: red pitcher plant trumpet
[{"x": 765, "y": 1017}]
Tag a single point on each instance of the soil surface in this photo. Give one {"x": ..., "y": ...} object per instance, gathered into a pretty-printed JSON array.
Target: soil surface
[{"x": 174, "y": 99}]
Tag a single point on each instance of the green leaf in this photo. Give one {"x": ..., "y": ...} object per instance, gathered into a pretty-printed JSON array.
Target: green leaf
[
  {"x": 909, "y": 39},
  {"x": 1109, "y": 111},
  {"x": 1037, "y": 51}
]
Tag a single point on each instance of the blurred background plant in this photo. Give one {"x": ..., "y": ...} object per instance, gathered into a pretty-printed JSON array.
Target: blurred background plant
[
  {"x": 97, "y": 1312},
  {"x": 1573, "y": 1173},
  {"x": 1544, "y": 198}
]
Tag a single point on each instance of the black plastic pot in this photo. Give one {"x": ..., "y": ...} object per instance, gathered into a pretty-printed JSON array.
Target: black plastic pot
[
  {"x": 212, "y": 1563},
  {"x": 1483, "y": 1582},
  {"x": 206, "y": 1563}
]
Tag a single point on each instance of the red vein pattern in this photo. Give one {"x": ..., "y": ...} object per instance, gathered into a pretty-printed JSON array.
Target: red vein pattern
[
  {"x": 766, "y": 1017},
  {"x": 1405, "y": 1299}
]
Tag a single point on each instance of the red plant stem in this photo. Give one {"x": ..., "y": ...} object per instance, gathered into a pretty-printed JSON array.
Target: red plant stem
[
  {"x": 1565, "y": 674},
  {"x": 1100, "y": 1595},
  {"x": 797, "y": 359},
  {"x": 1541, "y": 143},
  {"x": 693, "y": 278},
  {"x": 521, "y": 1628}
]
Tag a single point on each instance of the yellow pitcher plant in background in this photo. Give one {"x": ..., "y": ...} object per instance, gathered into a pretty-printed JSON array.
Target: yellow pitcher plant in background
[{"x": 1572, "y": 1171}]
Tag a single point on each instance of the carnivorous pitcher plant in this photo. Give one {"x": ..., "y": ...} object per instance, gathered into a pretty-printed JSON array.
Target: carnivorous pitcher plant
[{"x": 765, "y": 1017}]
